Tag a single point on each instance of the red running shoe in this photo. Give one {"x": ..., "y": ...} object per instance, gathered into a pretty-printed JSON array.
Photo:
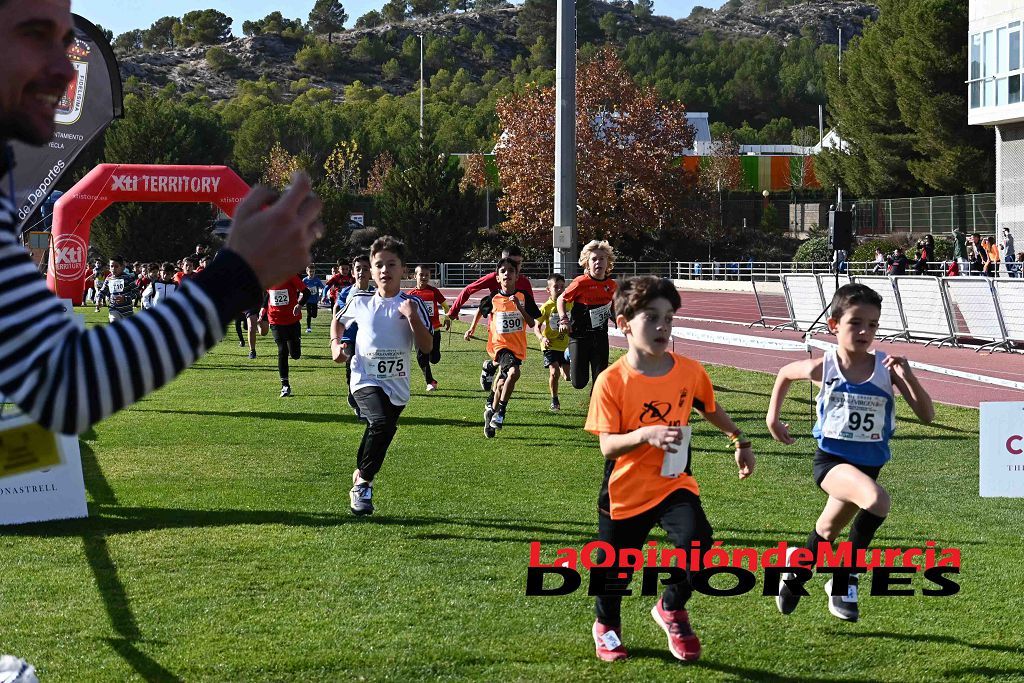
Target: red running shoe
[
  {"x": 682, "y": 641},
  {"x": 609, "y": 643}
]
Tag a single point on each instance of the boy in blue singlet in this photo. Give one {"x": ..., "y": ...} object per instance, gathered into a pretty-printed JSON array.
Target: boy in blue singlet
[{"x": 855, "y": 420}]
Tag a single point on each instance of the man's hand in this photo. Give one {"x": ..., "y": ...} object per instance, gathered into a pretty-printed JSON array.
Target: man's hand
[
  {"x": 468, "y": 335},
  {"x": 340, "y": 352},
  {"x": 273, "y": 234},
  {"x": 745, "y": 461},
  {"x": 297, "y": 310}
]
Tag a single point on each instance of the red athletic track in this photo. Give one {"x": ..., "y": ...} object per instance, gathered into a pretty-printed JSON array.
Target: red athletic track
[{"x": 721, "y": 311}]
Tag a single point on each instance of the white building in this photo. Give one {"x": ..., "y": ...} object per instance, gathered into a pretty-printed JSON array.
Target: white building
[{"x": 994, "y": 75}]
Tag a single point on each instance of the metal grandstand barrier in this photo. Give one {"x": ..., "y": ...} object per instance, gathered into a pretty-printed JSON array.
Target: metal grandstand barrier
[
  {"x": 974, "y": 311},
  {"x": 925, "y": 312},
  {"x": 803, "y": 294},
  {"x": 827, "y": 283},
  {"x": 1010, "y": 299},
  {"x": 892, "y": 323},
  {"x": 772, "y": 306}
]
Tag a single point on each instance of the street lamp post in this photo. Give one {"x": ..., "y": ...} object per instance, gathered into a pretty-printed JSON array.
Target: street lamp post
[{"x": 420, "y": 35}]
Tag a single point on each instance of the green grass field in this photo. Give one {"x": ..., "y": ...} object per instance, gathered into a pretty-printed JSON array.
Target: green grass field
[{"x": 220, "y": 547}]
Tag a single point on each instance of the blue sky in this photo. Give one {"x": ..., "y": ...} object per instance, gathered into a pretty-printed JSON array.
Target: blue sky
[{"x": 123, "y": 15}]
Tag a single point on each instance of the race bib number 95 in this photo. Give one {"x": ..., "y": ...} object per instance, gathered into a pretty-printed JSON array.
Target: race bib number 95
[{"x": 854, "y": 417}]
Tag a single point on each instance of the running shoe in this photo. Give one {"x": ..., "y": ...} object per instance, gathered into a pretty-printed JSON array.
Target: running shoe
[
  {"x": 309, "y": 329},
  {"x": 252, "y": 355},
  {"x": 241, "y": 344},
  {"x": 555, "y": 405},
  {"x": 498, "y": 421},
  {"x": 431, "y": 386},
  {"x": 844, "y": 606},
  {"x": 487, "y": 375},
  {"x": 608, "y": 641},
  {"x": 286, "y": 391},
  {"x": 787, "y": 600},
  {"x": 682, "y": 641},
  {"x": 488, "y": 429},
  {"x": 361, "y": 499}
]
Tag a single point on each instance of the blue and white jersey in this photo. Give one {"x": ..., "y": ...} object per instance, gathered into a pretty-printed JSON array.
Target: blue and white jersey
[
  {"x": 316, "y": 288},
  {"x": 383, "y": 342},
  {"x": 855, "y": 421}
]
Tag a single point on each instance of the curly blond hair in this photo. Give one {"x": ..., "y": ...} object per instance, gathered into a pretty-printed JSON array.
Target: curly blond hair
[{"x": 597, "y": 245}]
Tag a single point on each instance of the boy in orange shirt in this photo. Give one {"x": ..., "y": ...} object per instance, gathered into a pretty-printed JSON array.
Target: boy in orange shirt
[
  {"x": 506, "y": 341},
  {"x": 640, "y": 410}
]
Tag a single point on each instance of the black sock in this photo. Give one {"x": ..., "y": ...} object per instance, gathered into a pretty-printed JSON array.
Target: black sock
[
  {"x": 813, "y": 540},
  {"x": 284, "y": 381},
  {"x": 863, "y": 529},
  {"x": 501, "y": 407}
]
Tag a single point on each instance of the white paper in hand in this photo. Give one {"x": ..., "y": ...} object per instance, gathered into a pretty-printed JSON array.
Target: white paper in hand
[{"x": 677, "y": 456}]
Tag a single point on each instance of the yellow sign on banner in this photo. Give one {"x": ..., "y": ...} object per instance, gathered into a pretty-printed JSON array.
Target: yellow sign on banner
[{"x": 27, "y": 448}]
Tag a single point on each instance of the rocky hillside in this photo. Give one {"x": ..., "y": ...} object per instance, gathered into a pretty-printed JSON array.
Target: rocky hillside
[{"x": 273, "y": 56}]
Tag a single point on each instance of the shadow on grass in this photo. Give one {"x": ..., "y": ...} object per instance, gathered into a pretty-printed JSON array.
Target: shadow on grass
[
  {"x": 984, "y": 672},
  {"x": 751, "y": 674},
  {"x": 934, "y": 638},
  {"x": 144, "y": 665}
]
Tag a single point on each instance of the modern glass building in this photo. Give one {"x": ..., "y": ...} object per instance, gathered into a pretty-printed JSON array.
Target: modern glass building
[{"x": 994, "y": 75}]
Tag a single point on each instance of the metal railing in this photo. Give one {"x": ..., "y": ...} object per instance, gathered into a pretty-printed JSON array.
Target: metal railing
[{"x": 462, "y": 274}]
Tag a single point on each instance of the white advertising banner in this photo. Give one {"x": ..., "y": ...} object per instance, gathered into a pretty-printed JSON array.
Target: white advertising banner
[
  {"x": 34, "y": 494},
  {"x": 1001, "y": 442}
]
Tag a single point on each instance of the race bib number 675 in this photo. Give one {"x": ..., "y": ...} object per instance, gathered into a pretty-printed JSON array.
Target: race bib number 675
[{"x": 386, "y": 363}]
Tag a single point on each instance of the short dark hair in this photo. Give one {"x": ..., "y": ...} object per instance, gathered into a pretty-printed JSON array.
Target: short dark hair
[
  {"x": 191, "y": 260},
  {"x": 426, "y": 267},
  {"x": 388, "y": 243},
  {"x": 511, "y": 250},
  {"x": 851, "y": 295},
  {"x": 636, "y": 293},
  {"x": 506, "y": 261},
  {"x": 118, "y": 259},
  {"x": 556, "y": 277},
  {"x": 358, "y": 258}
]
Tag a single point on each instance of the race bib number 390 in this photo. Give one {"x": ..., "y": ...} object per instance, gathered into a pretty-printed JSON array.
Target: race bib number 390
[
  {"x": 279, "y": 297},
  {"x": 387, "y": 363},
  {"x": 854, "y": 417},
  {"x": 509, "y": 322}
]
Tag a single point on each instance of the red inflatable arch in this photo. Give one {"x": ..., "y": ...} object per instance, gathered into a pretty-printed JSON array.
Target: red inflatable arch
[{"x": 110, "y": 183}]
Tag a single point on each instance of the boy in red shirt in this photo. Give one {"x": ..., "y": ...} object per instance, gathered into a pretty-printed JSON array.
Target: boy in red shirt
[
  {"x": 284, "y": 311},
  {"x": 435, "y": 302},
  {"x": 640, "y": 410}
]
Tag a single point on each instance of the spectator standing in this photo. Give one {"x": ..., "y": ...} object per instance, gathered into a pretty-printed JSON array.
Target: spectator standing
[
  {"x": 960, "y": 251},
  {"x": 1006, "y": 247},
  {"x": 898, "y": 262}
]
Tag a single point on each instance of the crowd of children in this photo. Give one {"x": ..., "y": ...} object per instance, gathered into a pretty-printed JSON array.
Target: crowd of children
[{"x": 640, "y": 405}]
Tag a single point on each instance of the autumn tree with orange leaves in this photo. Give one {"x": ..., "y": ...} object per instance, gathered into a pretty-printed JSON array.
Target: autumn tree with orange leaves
[{"x": 630, "y": 182}]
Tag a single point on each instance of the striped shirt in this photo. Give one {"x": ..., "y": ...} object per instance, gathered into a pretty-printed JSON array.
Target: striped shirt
[
  {"x": 121, "y": 286},
  {"x": 66, "y": 378}
]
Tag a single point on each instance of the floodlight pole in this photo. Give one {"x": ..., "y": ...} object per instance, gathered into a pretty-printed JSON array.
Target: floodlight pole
[
  {"x": 421, "y": 84},
  {"x": 564, "y": 235}
]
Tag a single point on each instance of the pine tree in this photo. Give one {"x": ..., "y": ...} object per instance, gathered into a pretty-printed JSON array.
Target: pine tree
[
  {"x": 899, "y": 103},
  {"x": 327, "y": 16},
  {"x": 423, "y": 205}
]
